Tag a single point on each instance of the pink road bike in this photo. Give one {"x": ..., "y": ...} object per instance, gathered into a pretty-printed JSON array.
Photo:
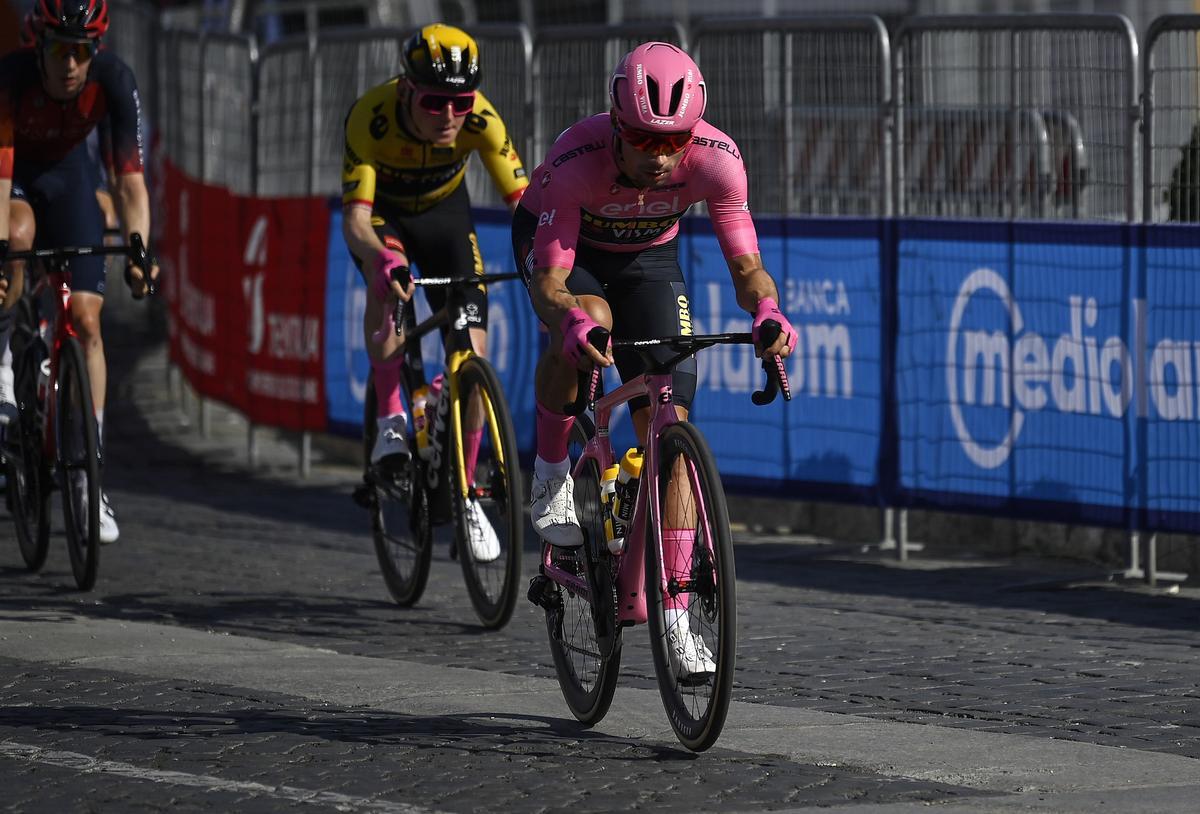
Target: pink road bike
[{"x": 591, "y": 594}]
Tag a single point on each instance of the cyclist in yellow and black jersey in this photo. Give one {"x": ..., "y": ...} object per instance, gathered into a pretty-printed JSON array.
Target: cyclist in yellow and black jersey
[
  {"x": 404, "y": 200},
  {"x": 387, "y": 166}
]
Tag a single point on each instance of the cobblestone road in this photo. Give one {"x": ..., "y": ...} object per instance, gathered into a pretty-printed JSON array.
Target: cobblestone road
[{"x": 953, "y": 649}]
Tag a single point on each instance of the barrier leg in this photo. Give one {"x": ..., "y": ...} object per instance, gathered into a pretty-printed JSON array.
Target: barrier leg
[
  {"x": 1153, "y": 575},
  {"x": 305, "y": 454},
  {"x": 251, "y": 446}
]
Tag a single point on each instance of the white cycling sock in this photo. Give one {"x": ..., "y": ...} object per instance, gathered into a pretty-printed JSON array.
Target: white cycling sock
[
  {"x": 545, "y": 470},
  {"x": 5, "y": 350}
]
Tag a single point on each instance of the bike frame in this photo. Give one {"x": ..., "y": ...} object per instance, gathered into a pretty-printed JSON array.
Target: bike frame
[
  {"x": 631, "y": 567},
  {"x": 458, "y": 350},
  {"x": 57, "y": 280}
]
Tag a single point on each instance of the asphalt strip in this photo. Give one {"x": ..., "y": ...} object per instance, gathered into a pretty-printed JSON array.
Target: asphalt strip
[{"x": 1013, "y": 764}]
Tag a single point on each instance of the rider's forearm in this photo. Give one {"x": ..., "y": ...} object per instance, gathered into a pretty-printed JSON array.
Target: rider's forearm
[
  {"x": 133, "y": 204},
  {"x": 360, "y": 234},
  {"x": 550, "y": 296},
  {"x": 751, "y": 281}
]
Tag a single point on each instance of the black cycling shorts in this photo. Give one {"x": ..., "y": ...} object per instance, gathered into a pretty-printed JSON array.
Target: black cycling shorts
[
  {"x": 440, "y": 242},
  {"x": 645, "y": 291},
  {"x": 63, "y": 198}
]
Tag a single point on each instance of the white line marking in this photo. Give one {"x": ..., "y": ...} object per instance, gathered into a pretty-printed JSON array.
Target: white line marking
[{"x": 90, "y": 765}]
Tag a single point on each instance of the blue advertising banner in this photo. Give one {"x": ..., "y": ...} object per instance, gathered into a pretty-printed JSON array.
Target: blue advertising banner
[
  {"x": 829, "y": 276},
  {"x": 1167, "y": 393}
]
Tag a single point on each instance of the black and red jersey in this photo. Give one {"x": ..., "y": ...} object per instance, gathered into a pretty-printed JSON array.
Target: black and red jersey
[{"x": 35, "y": 128}]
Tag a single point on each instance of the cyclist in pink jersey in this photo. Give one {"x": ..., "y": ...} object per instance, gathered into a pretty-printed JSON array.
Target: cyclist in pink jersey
[{"x": 596, "y": 237}]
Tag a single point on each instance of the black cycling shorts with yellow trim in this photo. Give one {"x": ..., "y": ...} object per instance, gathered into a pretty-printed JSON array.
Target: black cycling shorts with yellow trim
[
  {"x": 645, "y": 291},
  {"x": 440, "y": 242}
]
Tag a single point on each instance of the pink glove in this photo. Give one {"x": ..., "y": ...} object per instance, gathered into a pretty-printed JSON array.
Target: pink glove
[
  {"x": 575, "y": 327},
  {"x": 768, "y": 309},
  {"x": 385, "y": 261}
]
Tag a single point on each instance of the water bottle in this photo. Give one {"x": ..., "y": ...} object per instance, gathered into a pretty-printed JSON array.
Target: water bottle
[
  {"x": 608, "y": 488},
  {"x": 420, "y": 397},
  {"x": 625, "y": 497}
]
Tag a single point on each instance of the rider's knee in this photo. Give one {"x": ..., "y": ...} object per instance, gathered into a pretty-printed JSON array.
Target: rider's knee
[
  {"x": 87, "y": 324},
  {"x": 21, "y": 230}
]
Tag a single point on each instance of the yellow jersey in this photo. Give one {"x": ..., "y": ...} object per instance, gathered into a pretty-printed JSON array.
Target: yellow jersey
[{"x": 385, "y": 163}]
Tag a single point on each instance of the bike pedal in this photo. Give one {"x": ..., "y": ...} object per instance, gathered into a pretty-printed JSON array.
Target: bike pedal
[
  {"x": 363, "y": 495},
  {"x": 542, "y": 593}
]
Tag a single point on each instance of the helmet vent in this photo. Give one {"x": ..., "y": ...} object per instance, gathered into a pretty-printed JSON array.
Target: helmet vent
[
  {"x": 652, "y": 89},
  {"x": 676, "y": 95}
]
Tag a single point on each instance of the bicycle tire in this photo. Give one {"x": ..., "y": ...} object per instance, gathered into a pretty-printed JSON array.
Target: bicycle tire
[
  {"x": 400, "y": 527},
  {"x": 587, "y": 670},
  {"x": 492, "y": 584},
  {"x": 696, "y": 709},
  {"x": 28, "y": 471},
  {"x": 78, "y": 458}
]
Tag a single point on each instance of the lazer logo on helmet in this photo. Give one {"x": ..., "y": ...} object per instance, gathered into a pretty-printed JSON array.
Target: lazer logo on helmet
[{"x": 1019, "y": 371}]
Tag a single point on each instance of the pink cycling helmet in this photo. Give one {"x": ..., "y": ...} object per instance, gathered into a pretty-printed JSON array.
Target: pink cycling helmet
[{"x": 656, "y": 87}]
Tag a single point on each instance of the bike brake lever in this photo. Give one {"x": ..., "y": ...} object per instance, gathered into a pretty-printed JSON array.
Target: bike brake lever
[{"x": 588, "y": 382}]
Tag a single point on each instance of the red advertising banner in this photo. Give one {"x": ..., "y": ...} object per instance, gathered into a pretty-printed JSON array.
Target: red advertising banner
[{"x": 245, "y": 282}]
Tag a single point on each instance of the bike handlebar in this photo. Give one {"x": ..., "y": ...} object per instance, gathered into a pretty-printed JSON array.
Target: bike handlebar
[
  {"x": 588, "y": 381},
  {"x": 402, "y": 275},
  {"x": 135, "y": 252}
]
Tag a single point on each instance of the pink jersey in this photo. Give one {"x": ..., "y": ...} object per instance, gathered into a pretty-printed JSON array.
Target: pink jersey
[{"x": 579, "y": 194}]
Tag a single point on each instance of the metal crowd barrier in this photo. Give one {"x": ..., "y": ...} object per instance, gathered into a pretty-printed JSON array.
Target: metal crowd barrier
[
  {"x": 1171, "y": 120},
  {"x": 999, "y": 117},
  {"x": 1080, "y": 68},
  {"x": 806, "y": 100}
]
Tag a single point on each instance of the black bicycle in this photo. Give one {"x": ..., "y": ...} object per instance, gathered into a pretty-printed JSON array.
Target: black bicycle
[
  {"x": 55, "y": 442},
  {"x": 435, "y": 488}
]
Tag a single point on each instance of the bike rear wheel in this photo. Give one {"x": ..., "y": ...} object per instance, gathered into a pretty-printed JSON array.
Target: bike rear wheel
[
  {"x": 690, "y": 491},
  {"x": 584, "y": 632},
  {"x": 78, "y": 463},
  {"x": 490, "y": 522},
  {"x": 28, "y": 473},
  {"x": 400, "y": 527}
]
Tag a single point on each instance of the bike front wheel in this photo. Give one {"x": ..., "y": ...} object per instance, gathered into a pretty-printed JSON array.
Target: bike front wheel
[
  {"x": 691, "y": 588},
  {"x": 399, "y": 506},
  {"x": 28, "y": 473},
  {"x": 490, "y": 518},
  {"x": 582, "y": 626},
  {"x": 78, "y": 464}
]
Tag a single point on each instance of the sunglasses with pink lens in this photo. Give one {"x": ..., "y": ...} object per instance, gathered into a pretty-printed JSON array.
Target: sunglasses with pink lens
[{"x": 462, "y": 103}]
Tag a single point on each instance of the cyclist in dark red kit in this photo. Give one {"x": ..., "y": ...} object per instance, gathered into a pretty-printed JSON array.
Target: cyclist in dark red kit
[{"x": 52, "y": 96}]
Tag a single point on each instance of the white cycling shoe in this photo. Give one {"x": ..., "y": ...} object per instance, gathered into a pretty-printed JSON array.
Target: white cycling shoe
[
  {"x": 552, "y": 509},
  {"x": 109, "y": 532},
  {"x": 391, "y": 441},
  {"x": 691, "y": 660},
  {"x": 485, "y": 545}
]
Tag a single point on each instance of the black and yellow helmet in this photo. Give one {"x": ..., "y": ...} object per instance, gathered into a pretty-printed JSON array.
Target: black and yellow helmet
[{"x": 442, "y": 57}]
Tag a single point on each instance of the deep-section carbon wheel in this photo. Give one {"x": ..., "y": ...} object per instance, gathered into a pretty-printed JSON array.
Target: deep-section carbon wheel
[
  {"x": 400, "y": 527},
  {"x": 490, "y": 520},
  {"x": 78, "y": 464},
  {"x": 584, "y": 634},
  {"x": 693, "y": 608},
  {"x": 28, "y": 471}
]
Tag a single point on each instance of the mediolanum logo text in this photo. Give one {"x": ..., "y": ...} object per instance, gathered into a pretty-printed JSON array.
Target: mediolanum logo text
[{"x": 1016, "y": 368}]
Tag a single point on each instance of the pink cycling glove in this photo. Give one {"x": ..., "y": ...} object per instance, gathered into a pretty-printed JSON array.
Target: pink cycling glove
[
  {"x": 385, "y": 261},
  {"x": 768, "y": 309},
  {"x": 575, "y": 327}
]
